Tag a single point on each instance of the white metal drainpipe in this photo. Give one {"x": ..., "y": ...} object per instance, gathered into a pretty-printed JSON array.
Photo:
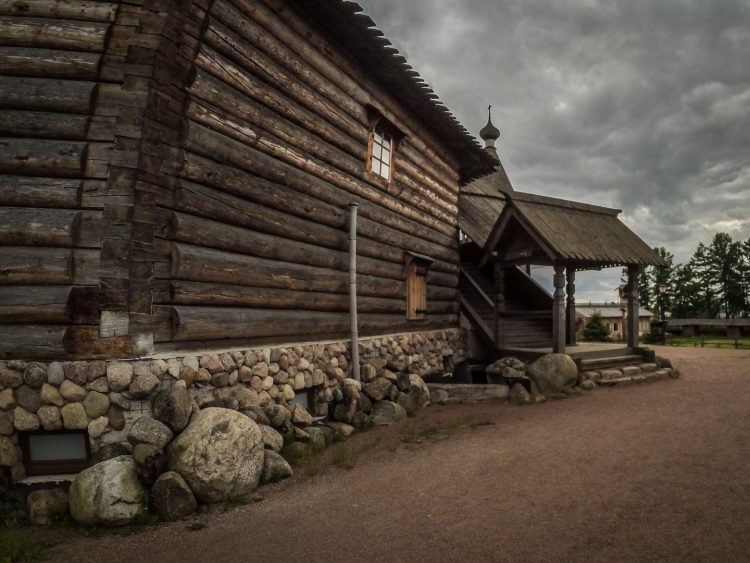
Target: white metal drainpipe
[{"x": 353, "y": 288}]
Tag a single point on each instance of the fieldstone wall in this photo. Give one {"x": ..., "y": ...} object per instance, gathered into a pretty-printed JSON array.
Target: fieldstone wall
[{"x": 107, "y": 397}]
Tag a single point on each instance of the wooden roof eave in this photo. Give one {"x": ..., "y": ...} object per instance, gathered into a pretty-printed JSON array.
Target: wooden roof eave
[{"x": 512, "y": 212}]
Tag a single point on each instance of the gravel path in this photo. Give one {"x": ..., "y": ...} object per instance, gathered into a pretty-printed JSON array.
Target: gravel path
[{"x": 641, "y": 473}]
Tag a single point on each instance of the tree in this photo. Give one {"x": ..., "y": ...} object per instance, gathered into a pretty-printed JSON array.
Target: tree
[
  {"x": 595, "y": 330},
  {"x": 705, "y": 280},
  {"x": 663, "y": 282},
  {"x": 724, "y": 258},
  {"x": 744, "y": 269},
  {"x": 687, "y": 300}
]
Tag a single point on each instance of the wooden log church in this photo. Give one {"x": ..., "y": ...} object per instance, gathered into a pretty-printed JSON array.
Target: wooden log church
[{"x": 176, "y": 175}]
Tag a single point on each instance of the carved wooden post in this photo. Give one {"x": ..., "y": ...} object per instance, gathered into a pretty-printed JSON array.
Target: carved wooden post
[
  {"x": 499, "y": 305},
  {"x": 558, "y": 311},
  {"x": 570, "y": 311},
  {"x": 633, "y": 307}
]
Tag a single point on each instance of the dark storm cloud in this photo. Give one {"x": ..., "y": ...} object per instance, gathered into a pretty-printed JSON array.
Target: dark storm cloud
[{"x": 642, "y": 105}]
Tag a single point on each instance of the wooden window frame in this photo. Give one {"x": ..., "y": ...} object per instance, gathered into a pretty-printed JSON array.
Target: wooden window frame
[
  {"x": 416, "y": 267},
  {"x": 378, "y": 124},
  {"x": 53, "y": 466}
]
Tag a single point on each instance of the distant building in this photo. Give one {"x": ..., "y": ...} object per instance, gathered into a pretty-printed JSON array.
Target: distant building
[{"x": 613, "y": 316}]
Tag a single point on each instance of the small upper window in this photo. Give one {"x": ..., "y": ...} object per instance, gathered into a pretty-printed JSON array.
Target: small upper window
[
  {"x": 383, "y": 142},
  {"x": 381, "y": 152}
]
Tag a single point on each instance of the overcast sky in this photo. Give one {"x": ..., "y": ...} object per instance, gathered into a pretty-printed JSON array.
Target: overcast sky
[{"x": 642, "y": 105}]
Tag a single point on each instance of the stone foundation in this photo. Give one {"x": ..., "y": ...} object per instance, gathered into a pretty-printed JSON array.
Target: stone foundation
[{"x": 106, "y": 397}]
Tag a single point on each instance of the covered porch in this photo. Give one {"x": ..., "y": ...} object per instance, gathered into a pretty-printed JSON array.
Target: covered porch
[{"x": 567, "y": 236}]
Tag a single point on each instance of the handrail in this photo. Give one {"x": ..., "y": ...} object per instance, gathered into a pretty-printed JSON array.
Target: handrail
[
  {"x": 473, "y": 282},
  {"x": 490, "y": 334}
]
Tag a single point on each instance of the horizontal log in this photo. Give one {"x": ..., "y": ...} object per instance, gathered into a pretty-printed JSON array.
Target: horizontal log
[
  {"x": 43, "y": 125},
  {"x": 212, "y": 234},
  {"x": 222, "y": 295},
  {"x": 203, "y": 117},
  {"x": 86, "y": 266},
  {"x": 210, "y": 203},
  {"x": 35, "y": 266},
  {"x": 194, "y": 263},
  {"x": 241, "y": 20},
  {"x": 85, "y": 342},
  {"x": 232, "y": 59},
  {"x": 235, "y": 64},
  {"x": 34, "y": 341},
  {"x": 46, "y": 94},
  {"x": 53, "y": 34},
  {"x": 213, "y": 323},
  {"x": 221, "y": 148},
  {"x": 49, "y": 63},
  {"x": 38, "y": 227},
  {"x": 35, "y": 305},
  {"x": 29, "y": 191},
  {"x": 83, "y": 10},
  {"x": 259, "y": 191},
  {"x": 306, "y": 138},
  {"x": 315, "y": 52},
  {"x": 41, "y": 157}
]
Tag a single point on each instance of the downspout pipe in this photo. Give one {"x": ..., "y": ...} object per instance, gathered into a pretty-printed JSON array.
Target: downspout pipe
[{"x": 353, "y": 207}]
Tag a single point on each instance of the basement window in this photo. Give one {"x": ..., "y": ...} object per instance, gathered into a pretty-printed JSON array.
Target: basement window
[
  {"x": 417, "y": 267},
  {"x": 55, "y": 453},
  {"x": 306, "y": 398}
]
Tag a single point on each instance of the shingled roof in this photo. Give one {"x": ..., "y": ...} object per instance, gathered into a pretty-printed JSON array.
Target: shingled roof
[
  {"x": 578, "y": 234},
  {"x": 344, "y": 24}
]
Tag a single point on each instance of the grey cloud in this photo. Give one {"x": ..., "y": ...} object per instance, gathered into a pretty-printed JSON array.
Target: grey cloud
[{"x": 643, "y": 105}]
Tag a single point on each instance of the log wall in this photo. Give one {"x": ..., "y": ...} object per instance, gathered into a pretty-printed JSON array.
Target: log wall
[
  {"x": 53, "y": 146},
  {"x": 274, "y": 149},
  {"x": 177, "y": 174}
]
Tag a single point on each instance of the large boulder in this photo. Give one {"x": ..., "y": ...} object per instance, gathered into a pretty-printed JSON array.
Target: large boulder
[
  {"x": 551, "y": 373},
  {"x": 173, "y": 406},
  {"x": 275, "y": 468},
  {"x": 219, "y": 454},
  {"x": 172, "y": 497},
  {"x": 108, "y": 493},
  {"x": 385, "y": 413}
]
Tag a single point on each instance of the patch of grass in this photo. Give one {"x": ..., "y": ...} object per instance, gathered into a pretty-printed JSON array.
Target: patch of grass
[
  {"x": 11, "y": 515},
  {"x": 303, "y": 456},
  {"x": 363, "y": 422},
  {"x": 432, "y": 433},
  {"x": 17, "y": 545},
  {"x": 344, "y": 456},
  {"x": 196, "y": 526}
]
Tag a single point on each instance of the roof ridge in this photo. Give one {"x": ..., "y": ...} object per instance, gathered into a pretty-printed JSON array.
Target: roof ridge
[{"x": 393, "y": 71}]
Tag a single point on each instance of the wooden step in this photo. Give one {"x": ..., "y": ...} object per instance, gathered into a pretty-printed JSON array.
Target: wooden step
[{"x": 595, "y": 364}]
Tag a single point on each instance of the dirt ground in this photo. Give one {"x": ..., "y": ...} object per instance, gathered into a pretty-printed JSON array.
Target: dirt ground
[{"x": 642, "y": 473}]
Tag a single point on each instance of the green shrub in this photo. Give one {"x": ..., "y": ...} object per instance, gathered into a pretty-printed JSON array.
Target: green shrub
[{"x": 595, "y": 330}]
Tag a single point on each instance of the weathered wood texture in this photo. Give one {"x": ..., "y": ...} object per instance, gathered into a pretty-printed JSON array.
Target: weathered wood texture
[
  {"x": 275, "y": 146},
  {"x": 54, "y": 148},
  {"x": 182, "y": 170}
]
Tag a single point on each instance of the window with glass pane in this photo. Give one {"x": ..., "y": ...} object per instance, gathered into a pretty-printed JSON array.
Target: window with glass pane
[
  {"x": 50, "y": 453},
  {"x": 381, "y": 151}
]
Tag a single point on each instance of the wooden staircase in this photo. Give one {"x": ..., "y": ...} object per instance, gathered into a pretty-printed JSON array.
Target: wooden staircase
[{"x": 525, "y": 322}]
